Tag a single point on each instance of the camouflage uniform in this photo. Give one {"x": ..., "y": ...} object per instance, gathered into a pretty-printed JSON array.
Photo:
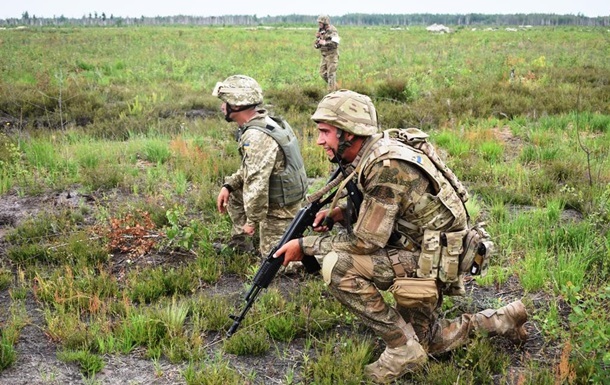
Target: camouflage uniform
[
  {"x": 329, "y": 52},
  {"x": 399, "y": 197},
  {"x": 249, "y": 199},
  {"x": 253, "y": 194},
  {"x": 363, "y": 266}
]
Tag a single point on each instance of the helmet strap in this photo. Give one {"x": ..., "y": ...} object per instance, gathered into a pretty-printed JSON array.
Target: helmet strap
[
  {"x": 228, "y": 111},
  {"x": 231, "y": 109},
  {"x": 343, "y": 144}
]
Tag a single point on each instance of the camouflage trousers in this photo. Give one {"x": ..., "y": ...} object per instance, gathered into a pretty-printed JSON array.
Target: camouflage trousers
[
  {"x": 270, "y": 229},
  {"x": 328, "y": 69},
  {"x": 355, "y": 280}
]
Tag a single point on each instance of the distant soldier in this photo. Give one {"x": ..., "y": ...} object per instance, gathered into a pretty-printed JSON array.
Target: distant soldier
[
  {"x": 327, "y": 41},
  {"x": 268, "y": 189}
]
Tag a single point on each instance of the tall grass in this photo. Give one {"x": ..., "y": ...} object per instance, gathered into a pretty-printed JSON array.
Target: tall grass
[{"x": 125, "y": 118}]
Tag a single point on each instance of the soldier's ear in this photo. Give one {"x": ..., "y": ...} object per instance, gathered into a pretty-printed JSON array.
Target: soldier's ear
[{"x": 344, "y": 134}]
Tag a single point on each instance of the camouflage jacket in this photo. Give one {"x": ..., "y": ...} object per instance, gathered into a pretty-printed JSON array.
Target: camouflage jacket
[
  {"x": 331, "y": 36},
  {"x": 261, "y": 156},
  {"x": 395, "y": 192}
]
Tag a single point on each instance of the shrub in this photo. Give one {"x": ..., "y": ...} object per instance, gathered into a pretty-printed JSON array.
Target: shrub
[
  {"x": 89, "y": 363},
  {"x": 248, "y": 341}
]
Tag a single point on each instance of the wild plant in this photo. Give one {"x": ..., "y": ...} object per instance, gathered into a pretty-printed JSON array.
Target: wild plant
[
  {"x": 89, "y": 363},
  {"x": 338, "y": 359},
  {"x": 211, "y": 313},
  {"x": 212, "y": 371},
  {"x": 248, "y": 341}
]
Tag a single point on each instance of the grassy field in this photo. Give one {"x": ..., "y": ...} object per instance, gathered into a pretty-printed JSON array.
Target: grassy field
[{"x": 112, "y": 151}]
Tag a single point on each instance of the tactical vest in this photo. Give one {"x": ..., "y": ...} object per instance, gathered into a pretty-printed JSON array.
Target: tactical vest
[
  {"x": 289, "y": 186},
  {"x": 437, "y": 223},
  {"x": 443, "y": 210}
]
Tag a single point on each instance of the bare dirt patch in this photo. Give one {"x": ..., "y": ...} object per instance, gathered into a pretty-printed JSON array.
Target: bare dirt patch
[{"x": 512, "y": 143}]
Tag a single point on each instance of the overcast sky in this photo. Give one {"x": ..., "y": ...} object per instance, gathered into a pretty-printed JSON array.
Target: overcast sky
[{"x": 137, "y": 8}]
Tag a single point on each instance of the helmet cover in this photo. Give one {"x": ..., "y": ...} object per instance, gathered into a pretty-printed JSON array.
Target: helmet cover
[{"x": 239, "y": 90}]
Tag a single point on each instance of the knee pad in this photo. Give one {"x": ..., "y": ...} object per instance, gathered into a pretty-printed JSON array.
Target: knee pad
[{"x": 330, "y": 260}]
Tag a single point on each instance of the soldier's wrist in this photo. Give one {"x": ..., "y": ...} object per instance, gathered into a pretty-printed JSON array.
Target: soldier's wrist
[
  {"x": 228, "y": 187},
  {"x": 307, "y": 244}
]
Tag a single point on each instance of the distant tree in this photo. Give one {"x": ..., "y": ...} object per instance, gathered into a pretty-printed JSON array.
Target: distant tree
[{"x": 361, "y": 19}]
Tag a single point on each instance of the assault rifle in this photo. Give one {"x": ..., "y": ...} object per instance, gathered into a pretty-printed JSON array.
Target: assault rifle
[
  {"x": 319, "y": 36},
  {"x": 268, "y": 270}
]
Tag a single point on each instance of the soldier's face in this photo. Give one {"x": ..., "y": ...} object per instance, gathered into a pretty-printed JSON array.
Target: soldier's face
[
  {"x": 224, "y": 107},
  {"x": 328, "y": 139}
]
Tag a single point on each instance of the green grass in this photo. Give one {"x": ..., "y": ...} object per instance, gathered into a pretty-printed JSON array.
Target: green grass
[
  {"x": 7, "y": 354},
  {"x": 338, "y": 360},
  {"x": 136, "y": 129},
  {"x": 89, "y": 363},
  {"x": 213, "y": 371}
]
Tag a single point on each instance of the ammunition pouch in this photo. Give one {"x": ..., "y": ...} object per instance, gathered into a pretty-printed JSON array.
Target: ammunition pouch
[
  {"x": 446, "y": 255},
  {"x": 452, "y": 246},
  {"x": 430, "y": 256},
  {"x": 440, "y": 255}
]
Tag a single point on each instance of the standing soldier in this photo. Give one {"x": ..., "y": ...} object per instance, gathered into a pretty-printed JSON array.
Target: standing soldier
[
  {"x": 268, "y": 189},
  {"x": 406, "y": 238},
  {"x": 327, "y": 41}
]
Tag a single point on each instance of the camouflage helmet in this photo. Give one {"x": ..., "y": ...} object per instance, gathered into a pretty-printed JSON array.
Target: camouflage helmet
[
  {"x": 348, "y": 111},
  {"x": 324, "y": 19},
  {"x": 239, "y": 90}
]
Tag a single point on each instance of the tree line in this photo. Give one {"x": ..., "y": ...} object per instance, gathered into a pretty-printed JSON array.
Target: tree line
[{"x": 357, "y": 19}]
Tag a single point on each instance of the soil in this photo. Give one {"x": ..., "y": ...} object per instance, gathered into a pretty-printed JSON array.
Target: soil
[{"x": 37, "y": 361}]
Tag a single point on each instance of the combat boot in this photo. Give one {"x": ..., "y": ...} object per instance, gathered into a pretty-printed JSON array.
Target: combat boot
[
  {"x": 396, "y": 362},
  {"x": 506, "y": 321}
]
